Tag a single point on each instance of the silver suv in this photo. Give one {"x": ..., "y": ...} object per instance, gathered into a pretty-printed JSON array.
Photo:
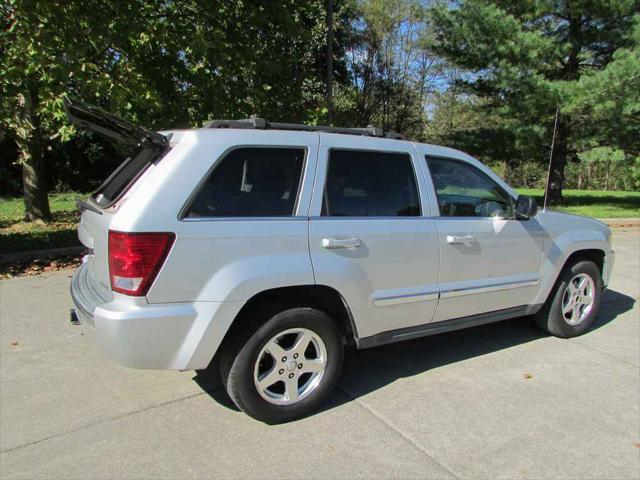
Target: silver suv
[{"x": 274, "y": 246}]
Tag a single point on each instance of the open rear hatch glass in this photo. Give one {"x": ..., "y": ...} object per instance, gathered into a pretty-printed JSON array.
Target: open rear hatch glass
[{"x": 149, "y": 147}]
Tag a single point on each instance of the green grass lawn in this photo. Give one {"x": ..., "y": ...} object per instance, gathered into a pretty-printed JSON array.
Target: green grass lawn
[
  {"x": 594, "y": 203},
  {"x": 12, "y": 209},
  {"x": 18, "y": 236}
]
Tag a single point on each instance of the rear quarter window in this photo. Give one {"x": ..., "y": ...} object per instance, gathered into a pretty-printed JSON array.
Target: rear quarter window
[{"x": 251, "y": 182}]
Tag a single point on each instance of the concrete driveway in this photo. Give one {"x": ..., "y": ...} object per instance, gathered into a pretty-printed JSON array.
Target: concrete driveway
[{"x": 497, "y": 401}]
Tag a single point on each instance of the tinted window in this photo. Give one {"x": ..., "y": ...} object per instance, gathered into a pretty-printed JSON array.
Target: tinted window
[
  {"x": 367, "y": 184},
  {"x": 465, "y": 191},
  {"x": 251, "y": 182},
  {"x": 124, "y": 176}
]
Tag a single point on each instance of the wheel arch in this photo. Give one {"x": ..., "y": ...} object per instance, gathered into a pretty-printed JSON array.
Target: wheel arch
[
  {"x": 594, "y": 254},
  {"x": 322, "y": 297},
  {"x": 547, "y": 316}
]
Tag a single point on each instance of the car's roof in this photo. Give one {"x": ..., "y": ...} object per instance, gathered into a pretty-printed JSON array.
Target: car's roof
[
  {"x": 336, "y": 140},
  {"x": 177, "y": 134}
]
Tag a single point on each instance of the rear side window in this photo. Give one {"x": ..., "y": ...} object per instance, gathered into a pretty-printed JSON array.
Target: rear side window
[
  {"x": 251, "y": 182},
  {"x": 370, "y": 184},
  {"x": 125, "y": 176},
  {"x": 465, "y": 191}
]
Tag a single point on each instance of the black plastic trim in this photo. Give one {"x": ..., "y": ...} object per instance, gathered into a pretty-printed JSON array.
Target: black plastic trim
[
  {"x": 263, "y": 124},
  {"x": 435, "y": 328}
]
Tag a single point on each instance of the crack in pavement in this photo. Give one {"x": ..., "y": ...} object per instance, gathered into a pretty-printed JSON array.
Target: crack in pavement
[
  {"x": 604, "y": 352},
  {"x": 610, "y": 355},
  {"x": 206, "y": 392},
  {"x": 408, "y": 439},
  {"x": 105, "y": 420}
]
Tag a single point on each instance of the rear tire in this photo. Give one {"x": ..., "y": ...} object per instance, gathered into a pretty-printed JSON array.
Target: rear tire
[
  {"x": 286, "y": 368},
  {"x": 573, "y": 306}
]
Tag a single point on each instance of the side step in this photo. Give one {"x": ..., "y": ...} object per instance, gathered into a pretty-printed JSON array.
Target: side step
[{"x": 435, "y": 328}]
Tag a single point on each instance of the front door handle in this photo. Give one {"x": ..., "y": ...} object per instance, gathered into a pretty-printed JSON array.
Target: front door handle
[
  {"x": 353, "y": 242},
  {"x": 461, "y": 239}
]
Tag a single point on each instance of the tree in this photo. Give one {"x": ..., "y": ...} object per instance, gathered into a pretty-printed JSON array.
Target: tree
[
  {"x": 157, "y": 62},
  {"x": 605, "y": 106},
  {"x": 521, "y": 57},
  {"x": 53, "y": 48},
  {"x": 391, "y": 73}
]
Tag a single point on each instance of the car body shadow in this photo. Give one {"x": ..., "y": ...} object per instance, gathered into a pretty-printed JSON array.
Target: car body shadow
[{"x": 368, "y": 370}]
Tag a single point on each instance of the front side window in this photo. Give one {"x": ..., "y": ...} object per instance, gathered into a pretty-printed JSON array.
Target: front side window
[
  {"x": 370, "y": 184},
  {"x": 251, "y": 182},
  {"x": 465, "y": 191}
]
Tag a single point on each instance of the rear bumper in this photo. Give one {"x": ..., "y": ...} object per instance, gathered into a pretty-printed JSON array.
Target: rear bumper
[
  {"x": 173, "y": 336},
  {"x": 87, "y": 295}
]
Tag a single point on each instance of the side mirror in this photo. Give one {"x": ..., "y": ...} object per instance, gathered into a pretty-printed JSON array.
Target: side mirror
[{"x": 526, "y": 207}]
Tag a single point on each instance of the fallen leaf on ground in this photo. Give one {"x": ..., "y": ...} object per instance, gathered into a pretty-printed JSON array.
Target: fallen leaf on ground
[{"x": 38, "y": 266}]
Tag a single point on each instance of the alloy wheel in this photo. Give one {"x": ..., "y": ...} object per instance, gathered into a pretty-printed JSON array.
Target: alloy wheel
[
  {"x": 290, "y": 366},
  {"x": 578, "y": 298}
]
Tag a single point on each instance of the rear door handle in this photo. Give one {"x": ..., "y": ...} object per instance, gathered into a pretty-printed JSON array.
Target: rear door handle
[
  {"x": 353, "y": 242},
  {"x": 461, "y": 239}
]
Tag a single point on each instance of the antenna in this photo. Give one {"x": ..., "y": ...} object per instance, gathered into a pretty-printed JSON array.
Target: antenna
[{"x": 553, "y": 141}]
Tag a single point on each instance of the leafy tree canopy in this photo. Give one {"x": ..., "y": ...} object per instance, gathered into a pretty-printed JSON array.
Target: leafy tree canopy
[
  {"x": 524, "y": 59},
  {"x": 160, "y": 63}
]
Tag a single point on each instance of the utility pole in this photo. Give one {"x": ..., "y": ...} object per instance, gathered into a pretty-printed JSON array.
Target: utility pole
[{"x": 330, "y": 61}]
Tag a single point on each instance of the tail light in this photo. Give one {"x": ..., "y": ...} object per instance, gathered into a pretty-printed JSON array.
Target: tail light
[{"x": 135, "y": 259}]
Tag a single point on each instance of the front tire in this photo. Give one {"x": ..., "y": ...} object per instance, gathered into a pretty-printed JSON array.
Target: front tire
[
  {"x": 573, "y": 306},
  {"x": 287, "y": 368}
]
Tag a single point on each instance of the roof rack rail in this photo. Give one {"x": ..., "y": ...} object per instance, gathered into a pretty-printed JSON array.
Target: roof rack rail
[{"x": 263, "y": 124}]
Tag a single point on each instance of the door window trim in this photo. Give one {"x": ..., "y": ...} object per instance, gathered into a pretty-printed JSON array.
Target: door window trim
[
  {"x": 376, "y": 217},
  {"x": 435, "y": 192},
  {"x": 182, "y": 214}
]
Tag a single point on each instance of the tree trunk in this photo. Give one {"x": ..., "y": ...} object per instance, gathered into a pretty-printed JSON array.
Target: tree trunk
[
  {"x": 36, "y": 199},
  {"x": 580, "y": 179},
  {"x": 571, "y": 73},
  {"x": 35, "y": 193},
  {"x": 505, "y": 171},
  {"x": 556, "y": 168}
]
